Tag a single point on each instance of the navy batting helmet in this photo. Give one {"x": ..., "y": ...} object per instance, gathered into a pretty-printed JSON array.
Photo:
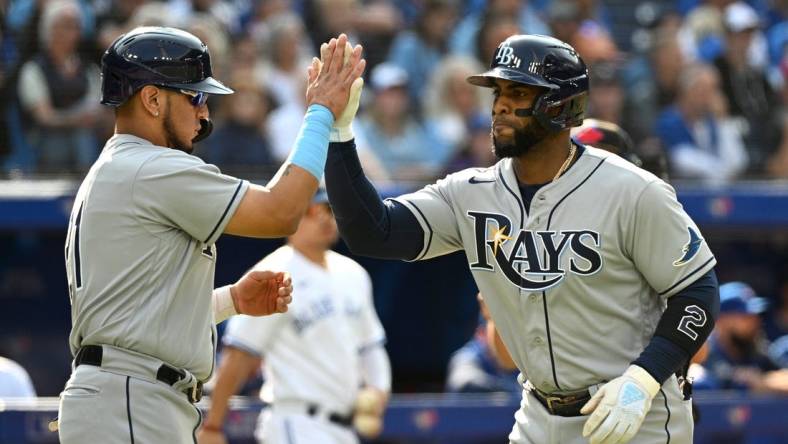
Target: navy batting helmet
[
  {"x": 166, "y": 57},
  {"x": 549, "y": 63}
]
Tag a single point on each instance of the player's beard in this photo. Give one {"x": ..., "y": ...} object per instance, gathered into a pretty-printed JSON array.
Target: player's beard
[
  {"x": 522, "y": 142},
  {"x": 173, "y": 141}
]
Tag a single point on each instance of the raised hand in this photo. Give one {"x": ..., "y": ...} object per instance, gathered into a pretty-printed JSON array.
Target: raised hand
[{"x": 330, "y": 78}]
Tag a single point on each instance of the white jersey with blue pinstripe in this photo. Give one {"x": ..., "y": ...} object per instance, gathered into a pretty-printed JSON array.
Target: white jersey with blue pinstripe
[
  {"x": 577, "y": 282},
  {"x": 312, "y": 352}
]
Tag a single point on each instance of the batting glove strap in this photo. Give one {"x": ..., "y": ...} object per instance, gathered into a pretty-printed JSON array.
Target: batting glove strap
[
  {"x": 619, "y": 407},
  {"x": 344, "y": 134}
]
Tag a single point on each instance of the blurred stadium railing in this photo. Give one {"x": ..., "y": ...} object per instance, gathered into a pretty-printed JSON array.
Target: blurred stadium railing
[
  {"x": 725, "y": 418},
  {"x": 47, "y": 204}
]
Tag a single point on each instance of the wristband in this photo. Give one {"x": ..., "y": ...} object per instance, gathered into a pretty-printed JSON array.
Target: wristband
[
  {"x": 223, "y": 306},
  {"x": 311, "y": 146}
]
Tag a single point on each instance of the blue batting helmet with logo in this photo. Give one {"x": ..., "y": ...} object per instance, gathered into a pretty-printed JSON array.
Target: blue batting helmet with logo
[
  {"x": 549, "y": 63},
  {"x": 166, "y": 57}
]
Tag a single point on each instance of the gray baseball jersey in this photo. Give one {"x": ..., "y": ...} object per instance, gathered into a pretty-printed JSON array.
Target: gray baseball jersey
[
  {"x": 140, "y": 254},
  {"x": 577, "y": 283}
]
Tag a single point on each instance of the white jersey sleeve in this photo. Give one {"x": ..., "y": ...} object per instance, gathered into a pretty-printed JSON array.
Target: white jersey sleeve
[
  {"x": 432, "y": 207},
  {"x": 371, "y": 330},
  {"x": 667, "y": 246},
  {"x": 252, "y": 334},
  {"x": 187, "y": 193}
]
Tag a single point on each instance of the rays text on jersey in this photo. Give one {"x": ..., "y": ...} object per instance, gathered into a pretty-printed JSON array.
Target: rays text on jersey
[{"x": 531, "y": 260}]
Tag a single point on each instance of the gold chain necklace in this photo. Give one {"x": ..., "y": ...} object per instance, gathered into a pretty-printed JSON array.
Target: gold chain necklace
[{"x": 566, "y": 162}]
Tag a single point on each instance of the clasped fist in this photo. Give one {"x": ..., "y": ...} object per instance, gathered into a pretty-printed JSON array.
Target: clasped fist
[{"x": 262, "y": 292}]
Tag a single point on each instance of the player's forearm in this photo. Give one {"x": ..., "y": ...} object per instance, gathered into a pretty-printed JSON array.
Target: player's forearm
[
  {"x": 376, "y": 368},
  {"x": 682, "y": 329},
  {"x": 232, "y": 372},
  {"x": 277, "y": 209},
  {"x": 291, "y": 187},
  {"x": 270, "y": 213},
  {"x": 498, "y": 348},
  {"x": 369, "y": 226}
]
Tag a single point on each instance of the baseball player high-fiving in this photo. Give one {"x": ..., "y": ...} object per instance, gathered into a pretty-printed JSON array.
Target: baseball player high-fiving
[
  {"x": 140, "y": 254},
  {"x": 600, "y": 285}
]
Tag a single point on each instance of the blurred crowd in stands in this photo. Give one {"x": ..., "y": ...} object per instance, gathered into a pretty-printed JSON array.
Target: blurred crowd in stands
[
  {"x": 749, "y": 347},
  {"x": 703, "y": 81}
]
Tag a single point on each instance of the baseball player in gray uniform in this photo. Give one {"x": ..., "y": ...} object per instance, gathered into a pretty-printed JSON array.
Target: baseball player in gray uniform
[
  {"x": 600, "y": 285},
  {"x": 140, "y": 254}
]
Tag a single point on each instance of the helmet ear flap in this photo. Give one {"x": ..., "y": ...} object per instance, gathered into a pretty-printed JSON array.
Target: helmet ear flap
[
  {"x": 541, "y": 112},
  {"x": 116, "y": 88},
  {"x": 548, "y": 113},
  {"x": 556, "y": 115},
  {"x": 112, "y": 88}
]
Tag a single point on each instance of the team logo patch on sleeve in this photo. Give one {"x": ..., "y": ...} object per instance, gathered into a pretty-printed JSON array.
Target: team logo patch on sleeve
[{"x": 690, "y": 249}]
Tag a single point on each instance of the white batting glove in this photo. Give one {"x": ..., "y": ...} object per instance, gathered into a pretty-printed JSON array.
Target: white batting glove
[
  {"x": 619, "y": 407},
  {"x": 342, "y": 130}
]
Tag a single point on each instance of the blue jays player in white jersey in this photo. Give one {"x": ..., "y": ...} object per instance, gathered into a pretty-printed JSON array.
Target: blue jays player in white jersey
[
  {"x": 318, "y": 355},
  {"x": 598, "y": 282},
  {"x": 140, "y": 254}
]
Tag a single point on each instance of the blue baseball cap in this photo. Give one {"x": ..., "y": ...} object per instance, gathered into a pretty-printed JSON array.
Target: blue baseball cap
[{"x": 738, "y": 297}]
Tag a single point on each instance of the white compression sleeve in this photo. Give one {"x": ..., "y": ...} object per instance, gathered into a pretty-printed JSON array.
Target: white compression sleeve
[
  {"x": 376, "y": 368},
  {"x": 223, "y": 306}
]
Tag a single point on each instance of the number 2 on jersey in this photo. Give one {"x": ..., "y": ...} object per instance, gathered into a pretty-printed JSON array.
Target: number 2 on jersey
[{"x": 695, "y": 318}]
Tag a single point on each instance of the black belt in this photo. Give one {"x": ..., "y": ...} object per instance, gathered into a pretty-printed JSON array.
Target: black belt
[
  {"x": 562, "y": 405},
  {"x": 92, "y": 355},
  {"x": 336, "y": 418}
]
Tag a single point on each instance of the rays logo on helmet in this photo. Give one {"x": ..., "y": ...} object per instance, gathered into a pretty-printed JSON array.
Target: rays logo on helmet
[
  {"x": 690, "y": 249},
  {"x": 505, "y": 56},
  {"x": 533, "y": 259}
]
